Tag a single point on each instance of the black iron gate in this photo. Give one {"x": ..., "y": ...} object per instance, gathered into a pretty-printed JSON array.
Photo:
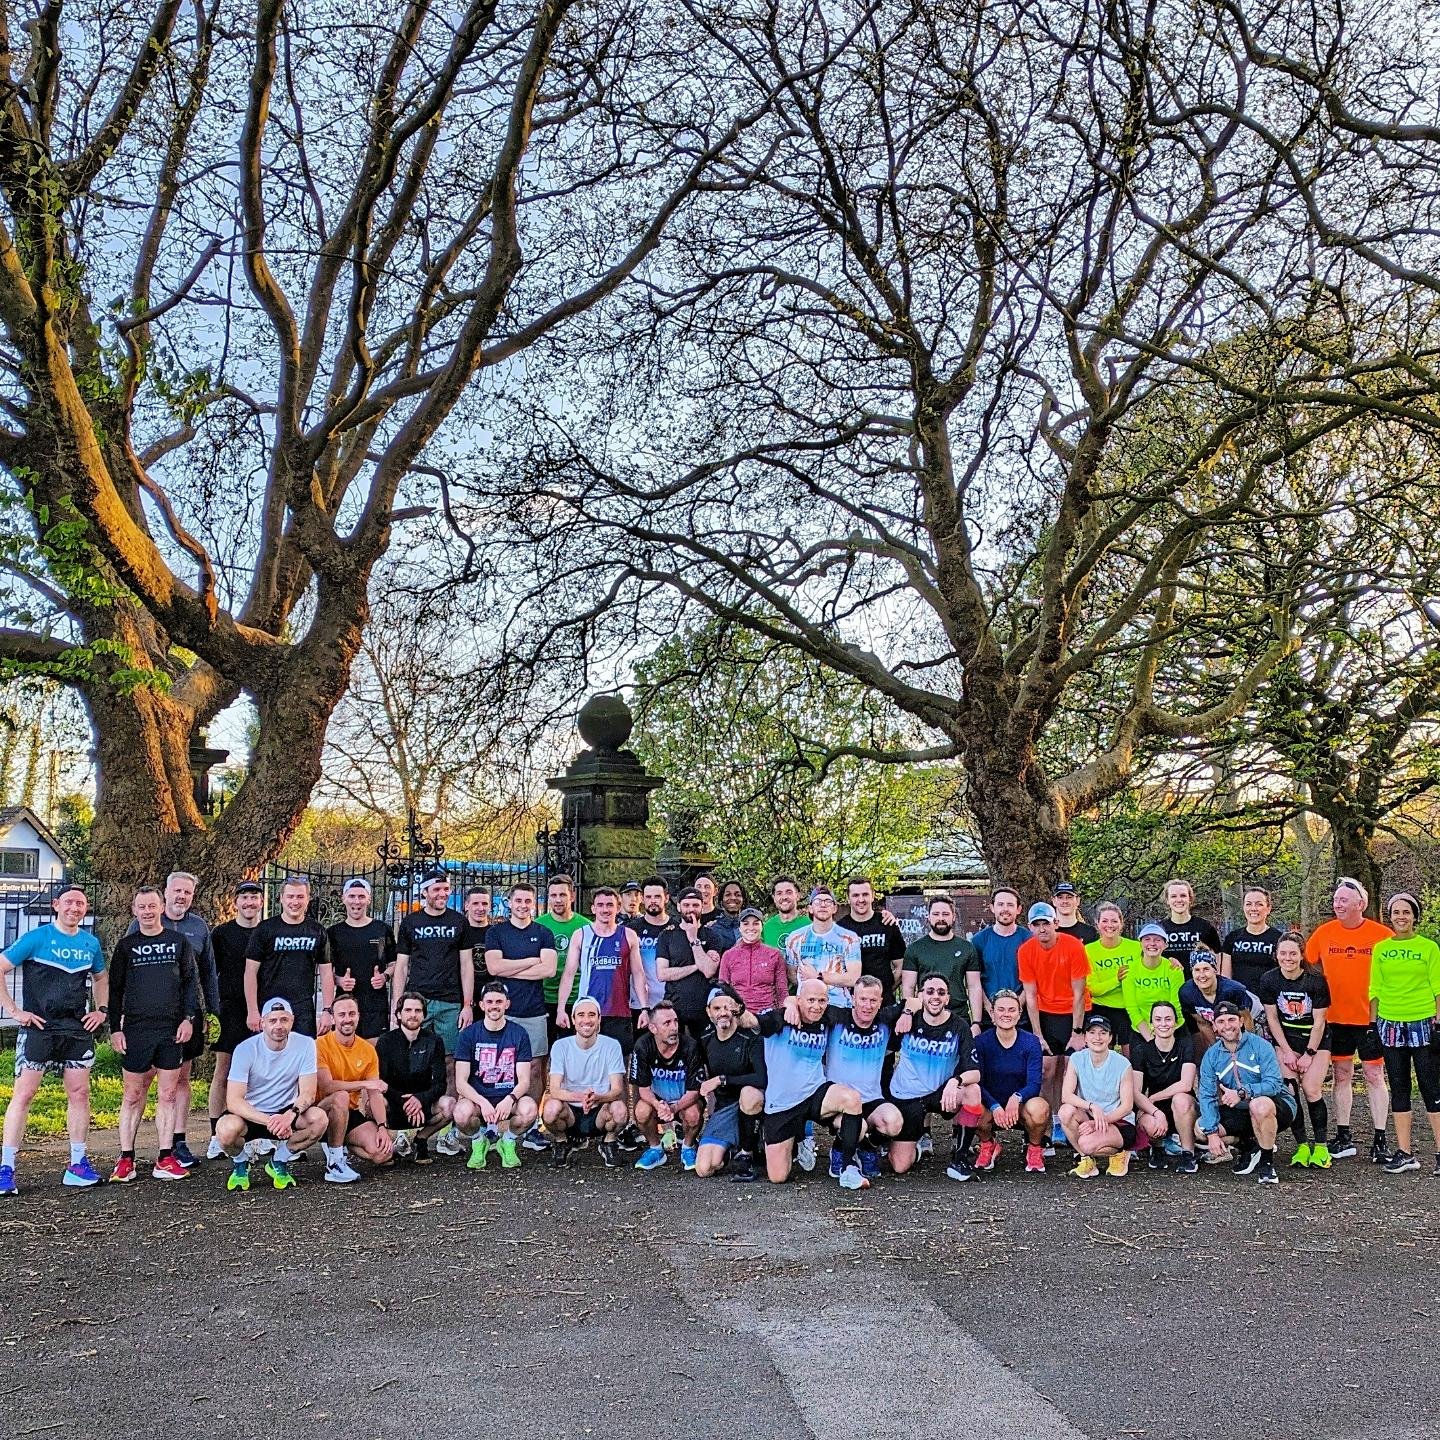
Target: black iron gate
[{"x": 400, "y": 865}]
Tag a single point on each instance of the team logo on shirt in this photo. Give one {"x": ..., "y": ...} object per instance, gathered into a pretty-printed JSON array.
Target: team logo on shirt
[
  {"x": 289, "y": 944},
  {"x": 434, "y": 932}
]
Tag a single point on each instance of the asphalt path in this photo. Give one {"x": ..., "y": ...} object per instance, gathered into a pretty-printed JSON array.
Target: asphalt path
[{"x": 585, "y": 1302}]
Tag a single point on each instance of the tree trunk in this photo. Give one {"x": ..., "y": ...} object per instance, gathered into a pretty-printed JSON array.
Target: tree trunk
[
  {"x": 1353, "y": 837},
  {"x": 1023, "y": 835}
]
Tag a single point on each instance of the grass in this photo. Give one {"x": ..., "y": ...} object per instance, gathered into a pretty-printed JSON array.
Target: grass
[{"x": 47, "y": 1111}]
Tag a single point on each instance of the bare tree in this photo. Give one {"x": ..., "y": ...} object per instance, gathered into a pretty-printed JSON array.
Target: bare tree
[
  {"x": 253, "y": 258},
  {"x": 979, "y": 386}
]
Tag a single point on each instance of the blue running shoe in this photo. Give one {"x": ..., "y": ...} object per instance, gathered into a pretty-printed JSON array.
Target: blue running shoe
[
  {"x": 837, "y": 1165},
  {"x": 1057, "y": 1134},
  {"x": 869, "y": 1162},
  {"x": 82, "y": 1174},
  {"x": 652, "y": 1159},
  {"x": 7, "y": 1181},
  {"x": 239, "y": 1177},
  {"x": 688, "y": 1156},
  {"x": 279, "y": 1173}
]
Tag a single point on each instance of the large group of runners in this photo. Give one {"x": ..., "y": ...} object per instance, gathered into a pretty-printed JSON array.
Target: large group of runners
[{"x": 706, "y": 1032}]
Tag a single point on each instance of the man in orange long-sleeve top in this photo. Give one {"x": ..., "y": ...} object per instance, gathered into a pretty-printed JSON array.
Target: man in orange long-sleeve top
[
  {"x": 1054, "y": 970},
  {"x": 1341, "y": 948}
]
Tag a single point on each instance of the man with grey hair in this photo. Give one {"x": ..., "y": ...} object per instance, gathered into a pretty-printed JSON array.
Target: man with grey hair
[{"x": 180, "y": 917}]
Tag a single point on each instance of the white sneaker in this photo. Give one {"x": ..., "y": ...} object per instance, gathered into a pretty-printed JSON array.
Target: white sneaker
[
  {"x": 213, "y": 1150},
  {"x": 805, "y": 1153},
  {"x": 404, "y": 1144},
  {"x": 851, "y": 1178},
  {"x": 342, "y": 1172},
  {"x": 449, "y": 1142}
]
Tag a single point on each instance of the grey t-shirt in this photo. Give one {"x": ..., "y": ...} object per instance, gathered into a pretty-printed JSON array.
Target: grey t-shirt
[
  {"x": 272, "y": 1077},
  {"x": 586, "y": 1069},
  {"x": 1101, "y": 1084}
]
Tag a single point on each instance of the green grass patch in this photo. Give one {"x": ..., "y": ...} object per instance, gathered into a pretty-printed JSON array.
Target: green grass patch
[{"x": 47, "y": 1110}]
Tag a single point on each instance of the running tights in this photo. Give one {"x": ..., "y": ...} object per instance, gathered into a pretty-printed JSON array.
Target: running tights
[{"x": 1398, "y": 1062}]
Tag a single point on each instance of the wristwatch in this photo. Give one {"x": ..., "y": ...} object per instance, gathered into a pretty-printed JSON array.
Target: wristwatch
[
  {"x": 1310, "y": 1050},
  {"x": 1077, "y": 1029}
]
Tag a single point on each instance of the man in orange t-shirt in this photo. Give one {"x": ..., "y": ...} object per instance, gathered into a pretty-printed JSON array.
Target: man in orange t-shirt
[
  {"x": 1054, "y": 969},
  {"x": 1341, "y": 948},
  {"x": 351, "y": 1092}
]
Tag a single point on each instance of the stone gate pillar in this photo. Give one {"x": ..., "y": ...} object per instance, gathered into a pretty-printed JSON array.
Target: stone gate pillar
[{"x": 605, "y": 798}]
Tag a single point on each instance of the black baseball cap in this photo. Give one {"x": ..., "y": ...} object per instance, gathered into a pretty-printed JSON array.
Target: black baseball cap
[
  {"x": 1228, "y": 1007},
  {"x": 431, "y": 876},
  {"x": 751, "y": 913},
  {"x": 690, "y": 894},
  {"x": 249, "y": 887},
  {"x": 1102, "y": 1021},
  {"x": 630, "y": 885},
  {"x": 1064, "y": 888}
]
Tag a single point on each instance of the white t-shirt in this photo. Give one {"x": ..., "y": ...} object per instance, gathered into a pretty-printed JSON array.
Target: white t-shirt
[
  {"x": 272, "y": 1077},
  {"x": 587, "y": 1069}
]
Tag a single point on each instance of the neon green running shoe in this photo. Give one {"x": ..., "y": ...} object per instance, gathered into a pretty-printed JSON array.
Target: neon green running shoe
[
  {"x": 479, "y": 1152},
  {"x": 1302, "y": 1155},
  {"x": 1320, "y": 1157},
  {"x": 239, "y": 1176},
  {"x": 279, "y": 1173},
  {"x": 509, "y": 1153}
]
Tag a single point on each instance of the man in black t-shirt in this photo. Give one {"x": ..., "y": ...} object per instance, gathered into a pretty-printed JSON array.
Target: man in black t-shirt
[
  {"x": 286, "y": 954},
  {"x": 229, "y": 942},
  {"x": 362, "y": 951},
  {"x": 478, "y": 917},
  {"x": 1186, "y": 932},
  {"x": 1069, "y": 920},
  {"x": 435, "y": 957},
  {"x": 686, "y": 967},
  {"x": 1165, "y": 1107},
  {"x": 733, "y": 1090},
  {"x": 882, "y": 946},
  {"x": 665, "y": 1070}
]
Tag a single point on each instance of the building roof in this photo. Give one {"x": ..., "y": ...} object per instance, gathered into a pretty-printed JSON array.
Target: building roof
[{"x": 12, "y": 815}]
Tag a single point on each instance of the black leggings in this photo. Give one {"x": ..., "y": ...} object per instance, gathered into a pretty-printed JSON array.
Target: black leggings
[{"x": 1398, "y": 1060}]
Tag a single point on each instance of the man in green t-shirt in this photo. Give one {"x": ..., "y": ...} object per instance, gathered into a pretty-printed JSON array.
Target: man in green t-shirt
[
  {"x": 940, "y": 951},
  {"x": 562, "y": 920},
  {"x": 787, "y": 917}
]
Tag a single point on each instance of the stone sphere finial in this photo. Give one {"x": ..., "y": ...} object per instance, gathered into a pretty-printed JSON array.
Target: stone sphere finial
[{"x": 605, "y": 722}]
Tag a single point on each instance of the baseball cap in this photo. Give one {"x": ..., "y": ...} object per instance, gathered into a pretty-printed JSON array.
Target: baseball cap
[
  {"x": 1064, "y": 888},
  {"x": 1097, "y": 1019},
  {"x": 1041, "y": 910},
  {"x": 630, "y": 885},
  {"x": 1154, "y": 927},
  {"x": 751, "y": 913},
  {"x": 583, "y": 1002},
  {"x": 1228, "y": 1007},
  {"x": 249, "y": 887},
  {"x": 276, "y": 1005},
  {"x": 822, "y": 890},
  {"x": 691, "y": 894},
  {"x": 431, "y": 876},
  {"x": 355, "y": 884}
]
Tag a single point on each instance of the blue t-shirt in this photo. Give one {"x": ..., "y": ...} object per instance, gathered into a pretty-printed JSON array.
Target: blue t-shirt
[
  {"x": 794, "y": 1060},
  {"x": 55, "y": 970},
  {"x": 930, "y": 1055},
  {"x": 521, "y": 942},
  {"x": 1194, "y": 1004},
  {"x": 999, "y": 958},
  {"x": 855, "y": 1057},
  {"x": 1003, "y": 1073},
  {"x": 492, "y": 1056}
]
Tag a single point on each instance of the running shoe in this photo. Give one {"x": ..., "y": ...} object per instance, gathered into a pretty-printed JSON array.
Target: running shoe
[
  {"x": 82, "y": 1174},
  {"x": 989, "y": 1154},
  {"x": 869, "y": 1162},
  {"x": 1186, "y": 1163},
  {"x": 1155, "y": 1158},
  {"x": 631, "y": 1139},
  {"x": 279, "y": 1173},
  {"x": 959, "y": 1168},
  {"x": 653, "y": 1158},
  {"x": 925, "y": 1146},
  {"x": 851, "y": 1179},
  {"x": 422, "y": 1155},
  {"x": 1434, "y": 1175},
  {"x": 837, "y": 1164},
  {"x": 404, "y": 1144},
  {"x": 805, "y": 1154},
  {"x": 1379, "y": 1150},
  {"x": 536, "y": 1139},
  {"x": 1400, "y": 1161},
  {"x": 1320, "y": 1156},
  {"x": 1301, "y": 1157},
  {"x": 742, "y": 1167},
  {"x": 1048, "y": 1151},
  {"x": 1034, "y": 1159},
  {"x": 9, "y": 1187},
  {"x": 449, "y": 1142},
  {"x": 124, "y": 1171},
  {"x": 181, "y": 1152},
  {"x": 1119, "y": 1164},
  {"x": 1057, "y": 1133},
  {"x": 560, "y": 1154},
  {"x": 1085, "y": 1168},
  {"x": 341, "y": 1172},
  {"x": 213, "y": 1150},
  {"x": 1342, "y": 1147},
  {"x": 1173, "y": 1147},
  {"x": 1246, "y": 1161},
  {"x": 239, "y": 1178},
  {"x": 168, "y": 1167},
  {"x": 479, "y": 1152},
  {"x": 688, "y": 1156},
  {"x": 1226, "y": 1156},
  {"x": 1266, "y": 1174},
  {"x": 510, "y": 1152},
  {"x": 609, "y": 1153}
]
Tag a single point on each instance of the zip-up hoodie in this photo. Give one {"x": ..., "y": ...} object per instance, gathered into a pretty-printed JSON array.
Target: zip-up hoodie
[{"x": 1252, "y": 1070}]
